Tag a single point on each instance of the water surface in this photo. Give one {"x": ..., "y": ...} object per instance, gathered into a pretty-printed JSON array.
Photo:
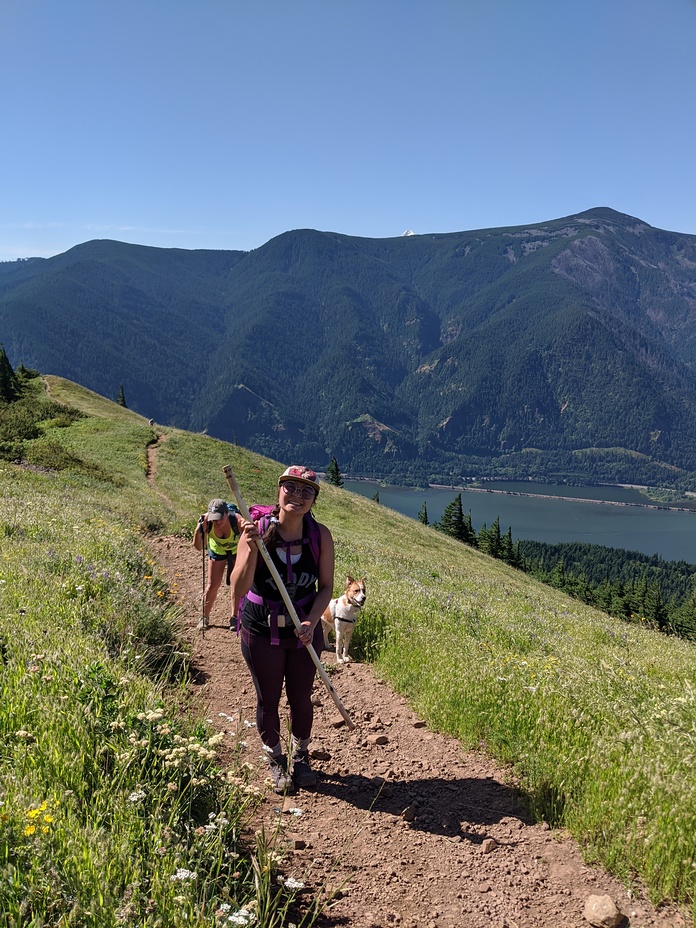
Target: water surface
[{"x": 546, "y": 517}]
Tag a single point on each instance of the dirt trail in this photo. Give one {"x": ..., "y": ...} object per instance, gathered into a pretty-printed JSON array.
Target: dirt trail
[
  {"x": 151, "y": 472},
  {"x": 422, "y": 834}
]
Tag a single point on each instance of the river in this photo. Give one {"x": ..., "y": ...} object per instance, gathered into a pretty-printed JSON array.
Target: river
[{"x": 555, "y": 514}]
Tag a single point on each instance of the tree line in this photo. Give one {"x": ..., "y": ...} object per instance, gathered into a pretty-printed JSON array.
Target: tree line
[{"x": 628, "y": 585}]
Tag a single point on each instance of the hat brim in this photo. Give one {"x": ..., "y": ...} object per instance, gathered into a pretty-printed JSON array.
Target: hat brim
[{"x": 214, "y": 516}]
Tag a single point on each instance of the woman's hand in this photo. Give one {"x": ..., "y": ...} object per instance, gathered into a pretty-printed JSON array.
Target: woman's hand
[
  {"x": 250, "y": 531},
  {"x": 305, "y": 633}
]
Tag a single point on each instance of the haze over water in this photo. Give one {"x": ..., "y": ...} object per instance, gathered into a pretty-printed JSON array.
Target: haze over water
[{"x": 668, "y": 533}]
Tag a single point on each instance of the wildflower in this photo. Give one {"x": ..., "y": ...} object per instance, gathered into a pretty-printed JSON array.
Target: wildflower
[
  {"x": 137, "y": 795},
  {"x": 291, "y": 883},
  {"x": 30, "y": 829},
  {"x": 183, "y": 874},
  {"x": 242, "y": 917}
]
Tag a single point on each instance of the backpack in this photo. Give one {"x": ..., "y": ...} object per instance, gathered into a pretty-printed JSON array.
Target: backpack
[{"x": 262, "y": 515}]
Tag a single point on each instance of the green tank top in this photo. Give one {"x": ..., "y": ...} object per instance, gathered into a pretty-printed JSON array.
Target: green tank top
[{"x": 223, "y": 546}]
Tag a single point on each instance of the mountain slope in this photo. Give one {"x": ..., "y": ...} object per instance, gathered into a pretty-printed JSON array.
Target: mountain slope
[{"x": 431, "y": 355}]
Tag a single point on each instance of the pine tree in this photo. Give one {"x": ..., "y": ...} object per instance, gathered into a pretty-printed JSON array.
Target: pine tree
[
  {"x": 9, "y": 385},
  {"x": 469, "y": 531},
  {"x": 375, "y": 498},
  {"x": 423, "y": 513},
  {"x": 452, "y": 521},
  {"x": 507, "y": 551},
  {"x": 333, "y": 474},
  {"x": 121, "y": 400},
  {"x": 493, "y": 541}
]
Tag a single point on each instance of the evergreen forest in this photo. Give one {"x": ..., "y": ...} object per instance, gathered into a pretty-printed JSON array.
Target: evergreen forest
[{"x": 628, "y": 585}]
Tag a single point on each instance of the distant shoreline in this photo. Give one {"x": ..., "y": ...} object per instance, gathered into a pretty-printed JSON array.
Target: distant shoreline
[
  {"x": 567, "y": 499},
  {"x": 576, "y": 499}
]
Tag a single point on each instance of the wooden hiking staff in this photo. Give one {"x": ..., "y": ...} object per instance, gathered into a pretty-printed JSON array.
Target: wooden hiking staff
[{"x": 289, "y": 605}]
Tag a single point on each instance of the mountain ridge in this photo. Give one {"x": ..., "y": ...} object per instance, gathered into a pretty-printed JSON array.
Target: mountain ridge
[{"x": 430, "y": 356}]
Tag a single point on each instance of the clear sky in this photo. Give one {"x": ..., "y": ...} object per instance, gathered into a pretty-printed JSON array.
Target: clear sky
[{"x": 222, "y": 123}]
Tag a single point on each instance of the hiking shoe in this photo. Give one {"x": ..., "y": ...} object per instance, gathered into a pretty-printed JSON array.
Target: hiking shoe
[
  {"x": 202, "y": 623},
  {"x": 233, "y": 623},
  {"x": 302, "y": 773},
  {"x": 278, "y": 771}
]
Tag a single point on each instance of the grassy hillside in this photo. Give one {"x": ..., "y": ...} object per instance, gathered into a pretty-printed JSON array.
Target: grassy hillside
[{"x": 598, "y": 718}]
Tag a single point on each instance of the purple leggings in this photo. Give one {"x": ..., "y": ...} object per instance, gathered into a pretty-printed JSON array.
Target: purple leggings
[{"x": 270, "y": 666}]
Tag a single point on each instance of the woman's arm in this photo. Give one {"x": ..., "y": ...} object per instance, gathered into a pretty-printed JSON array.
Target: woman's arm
[
  {"x": 199, "y": 534},
  {"x": 245, "y": 564}
]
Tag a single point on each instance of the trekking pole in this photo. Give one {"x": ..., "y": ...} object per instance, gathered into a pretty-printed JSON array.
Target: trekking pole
[
  {"x": 289, "y": 605},
  {"x": 204, "y": 552}
]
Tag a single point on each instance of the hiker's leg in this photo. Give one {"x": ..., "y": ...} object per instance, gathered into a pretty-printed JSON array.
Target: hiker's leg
[
  {"x": 299, "y": 679},
  {"x": 266, "y": 663},
  {"x": 234, "y": 601},
  {"x": 216, "y": 571}
]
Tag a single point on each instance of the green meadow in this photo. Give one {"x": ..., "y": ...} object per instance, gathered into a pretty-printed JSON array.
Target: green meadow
[{"x": 115, "y": 807}]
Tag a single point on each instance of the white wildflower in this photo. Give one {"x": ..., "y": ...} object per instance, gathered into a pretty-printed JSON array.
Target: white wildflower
[
  {"x": 292, "y": 884},
  {"x": 183, "y": 874},
  {"x": 242, "y": 917}
]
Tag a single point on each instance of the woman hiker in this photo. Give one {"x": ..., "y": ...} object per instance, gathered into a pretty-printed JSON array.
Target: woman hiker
[
  {"x": 303, "y": 553},
  {"x": 222, "y": 525}
]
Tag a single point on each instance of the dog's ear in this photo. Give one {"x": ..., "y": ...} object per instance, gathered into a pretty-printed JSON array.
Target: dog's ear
[
  {"x": 363, "y": 580},
  {"x": 349, "y": 579}
]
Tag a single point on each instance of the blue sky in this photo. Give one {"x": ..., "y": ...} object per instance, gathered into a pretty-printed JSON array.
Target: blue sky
[{"x": 222, "y": 123}]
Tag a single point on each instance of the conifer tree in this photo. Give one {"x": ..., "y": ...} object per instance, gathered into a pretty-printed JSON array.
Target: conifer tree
[
  {"x": 121, "y": 400},
  {"x": 493, "y": 541},
  {"x": 469, "y": 531},
  {"x": 452, "y": 522},
  {"x": 9, "y": 385},
  {"x": 507, "y": 551},
  {"x": 375, "y": 498},
  {"x": 423, "y": 513},
  {"x": 333, "y": 473}
]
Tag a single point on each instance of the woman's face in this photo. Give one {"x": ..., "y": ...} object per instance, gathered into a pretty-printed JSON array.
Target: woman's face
[{"x": 295, "y": 496}]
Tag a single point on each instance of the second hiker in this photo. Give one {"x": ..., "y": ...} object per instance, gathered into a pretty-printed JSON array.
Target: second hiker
[{"x": 221, "y": 526}]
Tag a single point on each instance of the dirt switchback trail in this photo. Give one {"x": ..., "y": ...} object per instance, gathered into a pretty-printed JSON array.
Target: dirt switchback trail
[{"x": 420, "y": 833}]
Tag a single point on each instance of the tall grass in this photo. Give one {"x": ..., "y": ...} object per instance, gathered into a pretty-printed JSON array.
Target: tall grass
[
  {"x": 114, "y": 810},
  {"x": 597, "y": 718}
]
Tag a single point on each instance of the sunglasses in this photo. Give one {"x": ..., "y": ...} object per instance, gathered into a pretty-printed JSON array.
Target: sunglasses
[{"x": 292, "y": 489}]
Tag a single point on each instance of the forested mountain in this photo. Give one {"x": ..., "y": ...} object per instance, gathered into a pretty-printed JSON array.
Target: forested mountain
[{"x": 565, "y": 349}]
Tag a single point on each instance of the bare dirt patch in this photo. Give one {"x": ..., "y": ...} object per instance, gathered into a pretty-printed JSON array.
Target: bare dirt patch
[{"x": 418, "y": 832}]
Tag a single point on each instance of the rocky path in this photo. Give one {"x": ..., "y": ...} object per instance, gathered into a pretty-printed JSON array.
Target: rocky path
[{"x": 411, "y": 830}]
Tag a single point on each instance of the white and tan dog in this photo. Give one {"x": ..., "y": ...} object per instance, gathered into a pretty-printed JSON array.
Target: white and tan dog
[{"x": 340, "y": 616}]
